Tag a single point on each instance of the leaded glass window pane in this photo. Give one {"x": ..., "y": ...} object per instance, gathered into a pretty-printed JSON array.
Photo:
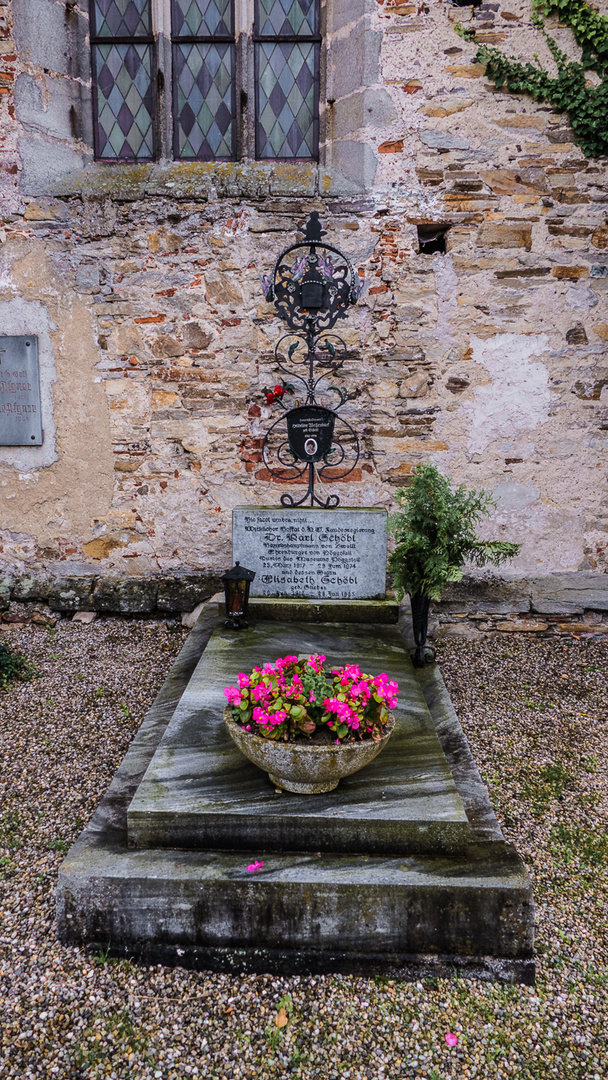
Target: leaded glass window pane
[
  {"x": 124, "y": 124},
  {"x": 286, "y": 100},
  {"x": 202, "y": 18},
  {"x": 287, "y": 53},
  {"x": 121, "y": 18},
  {"x": 204, "y": 56},
  {"x": 287, "y": 18},
  {"x": 203, "y": 79}
]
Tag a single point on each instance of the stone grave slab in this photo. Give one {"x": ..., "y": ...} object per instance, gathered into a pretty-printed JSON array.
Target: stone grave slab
[
  {"x": 199, "y": 790},
  {"x": 304, "y": 912},
  {"x": 313, "y": 553}
]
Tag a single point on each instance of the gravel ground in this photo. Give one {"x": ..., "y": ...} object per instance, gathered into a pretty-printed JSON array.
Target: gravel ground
[{"x": 535, "y": 713}]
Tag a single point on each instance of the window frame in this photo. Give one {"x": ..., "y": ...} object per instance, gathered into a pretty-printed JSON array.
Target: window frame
[{"x": 245, "y": 40}]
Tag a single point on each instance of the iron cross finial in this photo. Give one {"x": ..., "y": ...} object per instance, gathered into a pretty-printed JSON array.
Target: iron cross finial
[{"x": 312, "y": 230}]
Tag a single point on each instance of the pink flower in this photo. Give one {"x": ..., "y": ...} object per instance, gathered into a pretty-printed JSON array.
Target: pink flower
[
  {"x": 284, "y": 661},
  {"x": 316, "y": 662},
  {"x": 451, "y": 1039},
  {"x": 233, "y": 695},
  {"x": 258, "y": 866}
]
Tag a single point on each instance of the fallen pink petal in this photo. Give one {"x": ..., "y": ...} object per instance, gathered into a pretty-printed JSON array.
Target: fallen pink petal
[
  {"x": 255, "y": 866},
  {"x": 451, "y": 1039}
]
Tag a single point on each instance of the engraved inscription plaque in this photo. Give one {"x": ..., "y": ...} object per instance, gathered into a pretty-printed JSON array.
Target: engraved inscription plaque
[
  {"x": 20, "y": 416},
  {"x": 317, "y": 554}
]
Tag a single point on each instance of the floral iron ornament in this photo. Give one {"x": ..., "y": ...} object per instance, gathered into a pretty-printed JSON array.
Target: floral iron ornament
[{"x": 313, "y": 284}]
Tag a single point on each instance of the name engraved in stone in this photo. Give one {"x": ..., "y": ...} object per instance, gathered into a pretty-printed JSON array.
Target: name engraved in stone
[
  {"x": 315, "y": 554},
  {"x": 20, "y": 416}
]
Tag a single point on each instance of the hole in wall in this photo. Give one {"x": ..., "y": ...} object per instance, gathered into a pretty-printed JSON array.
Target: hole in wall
[{"x": 431, "y": 239}]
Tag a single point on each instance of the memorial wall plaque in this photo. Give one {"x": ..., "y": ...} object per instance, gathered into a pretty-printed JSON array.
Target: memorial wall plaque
[
  {"x": 20, "y": 415},
  {"x": 313, "y": 554}
]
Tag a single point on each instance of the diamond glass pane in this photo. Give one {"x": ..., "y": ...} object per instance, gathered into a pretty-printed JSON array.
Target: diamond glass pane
[
  {"x": 203, "y": 95},
  {"x": 285, "y": 126},
  {"x": 201, "y": 18},
  {"x": 286, "y": 18},
  {"x": 122, "y": 18},
  {"x": 125, "y": 101}
]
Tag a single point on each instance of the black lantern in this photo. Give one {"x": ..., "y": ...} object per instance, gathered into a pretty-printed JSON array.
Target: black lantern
[{"x": 237, "y": 582}]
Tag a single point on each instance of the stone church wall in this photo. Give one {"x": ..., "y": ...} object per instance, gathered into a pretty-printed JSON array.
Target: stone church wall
[{"x": 142, "y": 283}]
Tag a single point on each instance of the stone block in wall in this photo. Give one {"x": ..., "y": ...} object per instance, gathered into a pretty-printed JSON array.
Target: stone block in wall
[
  {"x": 39, "y": 614},
  {"x": 355, "y": 60},
  {"x": 353, "y": 168},
  {"x": 58, "y": 107},
  {"x": 342, "y": 12},
  {"x": 516, "y": 181},
  {"x": 500, "y": 596},
  {"x": 69, "y": 593},
  {"x": 508, "y": 236},
  {"x": 6, "y": 585},
  {"x": 365, "y": 108},
  {"x": 184, "y": 591},
  {"x": 45, "y": 163},
  {"x": 569, "y": 593},
  {"x": 127, "y": 596},
  {"x": 31, "y": 587},
  {"x": 53, "y": 36},
  {"x": 443, "y": 140},
  {"x": 293, "y": 178}
]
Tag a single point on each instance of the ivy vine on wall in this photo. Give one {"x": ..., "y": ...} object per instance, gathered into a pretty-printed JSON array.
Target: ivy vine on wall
[{"x": 570, "y": 90}]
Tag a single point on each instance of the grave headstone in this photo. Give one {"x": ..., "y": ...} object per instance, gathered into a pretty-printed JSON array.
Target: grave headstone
[{"x": 313, "y": 553}]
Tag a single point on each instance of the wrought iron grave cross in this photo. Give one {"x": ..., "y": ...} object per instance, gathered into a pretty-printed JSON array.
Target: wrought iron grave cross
[{"x": 311, "y": 293}]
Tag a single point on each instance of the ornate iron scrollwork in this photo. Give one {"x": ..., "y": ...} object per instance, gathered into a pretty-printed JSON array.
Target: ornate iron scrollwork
[{"x": 311, "y": 293}]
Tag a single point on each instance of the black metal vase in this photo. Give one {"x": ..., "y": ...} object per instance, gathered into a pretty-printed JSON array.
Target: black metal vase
[{"x": 420, "y": 623}]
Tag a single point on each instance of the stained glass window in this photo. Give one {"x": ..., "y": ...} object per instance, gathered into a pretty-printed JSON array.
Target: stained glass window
[
  {"x": 123, "y": 88},
  {"x": 204, "y": 125},
  {"x": 287, "y": 44},
  {"x": 210, "y": 57}
]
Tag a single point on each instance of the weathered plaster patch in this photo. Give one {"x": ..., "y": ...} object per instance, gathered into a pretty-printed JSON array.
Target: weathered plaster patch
[
  {"x": 446, "y": 283},
  {"x": 74, "y": 467},
  {"x": 517, "y": 397},
  {"x": 6, "y": 279}
]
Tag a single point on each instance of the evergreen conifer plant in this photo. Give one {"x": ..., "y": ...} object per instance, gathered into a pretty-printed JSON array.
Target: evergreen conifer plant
[{"x": 435, "y": 536}]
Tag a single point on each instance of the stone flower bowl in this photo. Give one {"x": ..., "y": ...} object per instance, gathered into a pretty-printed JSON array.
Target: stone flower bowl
[{"x": 307, "y": 770}]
